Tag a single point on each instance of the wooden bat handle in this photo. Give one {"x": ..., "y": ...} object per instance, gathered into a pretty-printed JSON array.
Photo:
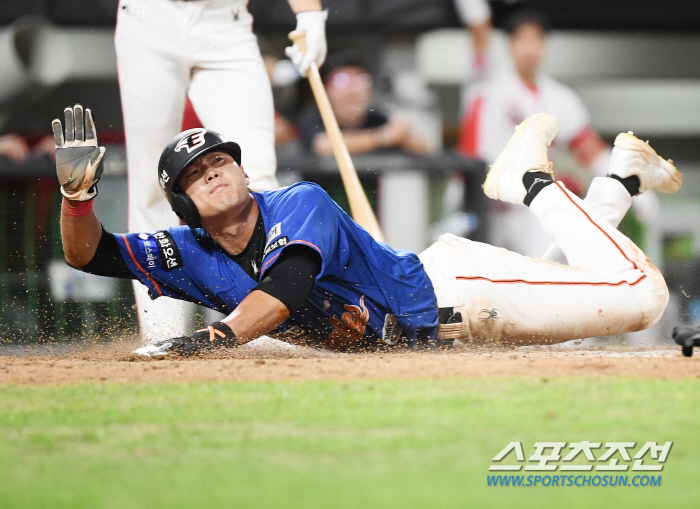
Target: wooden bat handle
[{"x": 359, "y": 205}]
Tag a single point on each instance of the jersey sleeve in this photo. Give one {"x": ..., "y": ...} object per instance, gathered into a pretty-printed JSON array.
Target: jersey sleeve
[
  {"x": 107, "y": 260},
  {"x": 306, "y": 215},
  {"x": 156, "y": 261}
]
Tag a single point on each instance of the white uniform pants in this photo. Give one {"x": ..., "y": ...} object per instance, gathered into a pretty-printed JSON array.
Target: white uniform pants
[
  {"x": 167, "y": 50},
  {"x": 609, "y": 286}
]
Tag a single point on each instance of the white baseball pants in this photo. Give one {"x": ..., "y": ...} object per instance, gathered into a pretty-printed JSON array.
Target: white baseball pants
[
  {"x": 609, "y": 286},
  {"x": 166, "y": 50}
]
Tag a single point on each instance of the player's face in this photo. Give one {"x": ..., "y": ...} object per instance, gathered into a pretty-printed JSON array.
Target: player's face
[
  {"x": 527, "y": 47},
  {"x": 349, "y": 90},
  {"x": 216, "y": 184}
]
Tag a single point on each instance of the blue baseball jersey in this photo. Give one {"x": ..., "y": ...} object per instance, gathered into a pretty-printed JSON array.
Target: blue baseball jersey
[{"x": 366, "y": 292}]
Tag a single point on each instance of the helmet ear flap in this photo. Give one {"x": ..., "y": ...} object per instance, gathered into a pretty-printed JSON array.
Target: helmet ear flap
[{"x": 185, "y": 209}]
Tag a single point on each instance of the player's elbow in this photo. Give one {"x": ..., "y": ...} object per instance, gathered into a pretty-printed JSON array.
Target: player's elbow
[
  {"x": 79, "y": 252},
  {"x": 75, "y": 258}
]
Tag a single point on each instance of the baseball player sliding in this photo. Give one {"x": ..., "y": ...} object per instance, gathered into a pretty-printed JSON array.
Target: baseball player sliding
[
  {"x": 170, "y": 49},
  {"x": 291, "y": 260}
]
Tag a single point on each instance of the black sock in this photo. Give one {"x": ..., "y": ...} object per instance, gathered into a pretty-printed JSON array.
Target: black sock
[
  {"x": 631, "y": 183},
  {"x": 534, "y": 182}
]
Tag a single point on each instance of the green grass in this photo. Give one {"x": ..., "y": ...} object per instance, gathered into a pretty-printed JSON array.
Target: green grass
[{"x": 381, "y": 443}]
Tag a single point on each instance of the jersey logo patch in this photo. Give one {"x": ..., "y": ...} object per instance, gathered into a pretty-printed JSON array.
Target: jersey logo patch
[
  {"x": 489, "y": 314},
  {"x": 351, "y": 326},
  {"x": 169, "y": 253},
  {"x": 275, "y": 231},
  {"x": 191, "y": 141},
  {"x": 149, "y": 247},
  {"x": 281, "y": 242}
]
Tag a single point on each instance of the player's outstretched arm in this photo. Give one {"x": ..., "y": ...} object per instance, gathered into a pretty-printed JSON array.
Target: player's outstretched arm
[
  {"x": 282, "y": 291},
  {"x": 258, "y": 314},
  {"x": 79, "y": 168}
]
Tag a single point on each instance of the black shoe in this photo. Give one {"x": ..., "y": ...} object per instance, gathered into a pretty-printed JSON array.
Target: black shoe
[
  {"x": 179, "y": 346},
  {"x": 687, "y": 336}
]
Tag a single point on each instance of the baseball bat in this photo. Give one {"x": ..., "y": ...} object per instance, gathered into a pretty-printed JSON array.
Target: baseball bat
[{"x": 359, "y": 205}]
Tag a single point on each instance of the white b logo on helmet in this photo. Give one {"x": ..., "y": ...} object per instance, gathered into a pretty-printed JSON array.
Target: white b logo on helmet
[{"x": 191, "y": 141}]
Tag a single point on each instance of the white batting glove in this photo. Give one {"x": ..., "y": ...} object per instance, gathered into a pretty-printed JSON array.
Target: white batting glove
[
  {"x": 314, "y": 23},
  {"x": 78, "y": 158}
]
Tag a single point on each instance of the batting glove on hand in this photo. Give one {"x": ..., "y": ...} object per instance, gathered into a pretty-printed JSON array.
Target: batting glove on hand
[
  {"x": 217, "y": 335},
  {"x": 314, "y": 23},
  {"x": 78, "y": 158}
]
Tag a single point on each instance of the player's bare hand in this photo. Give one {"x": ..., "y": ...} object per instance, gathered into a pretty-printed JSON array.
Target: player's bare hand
[
  {"x": 78, "y": 158},
  {"x": 314, "y": 24}
]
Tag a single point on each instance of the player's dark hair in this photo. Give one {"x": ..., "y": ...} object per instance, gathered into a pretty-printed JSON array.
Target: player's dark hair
[{"x": 525, "y": 17}]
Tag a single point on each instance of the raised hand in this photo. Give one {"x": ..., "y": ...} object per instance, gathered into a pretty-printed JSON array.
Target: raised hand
[{"x": 78, "y": 158}]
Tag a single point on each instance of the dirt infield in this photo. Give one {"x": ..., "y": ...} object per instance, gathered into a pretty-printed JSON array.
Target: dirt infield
[{"x": 114, "y": 364}]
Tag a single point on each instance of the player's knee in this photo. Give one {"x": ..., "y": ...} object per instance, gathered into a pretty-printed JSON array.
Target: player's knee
[{"x": 654, "y": 298}]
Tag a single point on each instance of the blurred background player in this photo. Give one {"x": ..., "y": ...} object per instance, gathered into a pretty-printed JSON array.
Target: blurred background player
[
  {"x": 507, "y": 93},
  {"x": 365, "y": 127},
  {"x": 168, "y": 50}
]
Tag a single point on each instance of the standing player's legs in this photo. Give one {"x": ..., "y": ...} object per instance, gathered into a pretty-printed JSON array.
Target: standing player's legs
[
  {"x": 231, "y": 92},
  {"x": 153, "y": 80}
]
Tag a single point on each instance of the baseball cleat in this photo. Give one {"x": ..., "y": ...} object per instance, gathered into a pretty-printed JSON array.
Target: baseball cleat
[
  {"x": 526, "y": 151},
  {"x": 687, "y": 336},
  {"x": 632, "y": 156},
  {"x": 176, "y": 346}
]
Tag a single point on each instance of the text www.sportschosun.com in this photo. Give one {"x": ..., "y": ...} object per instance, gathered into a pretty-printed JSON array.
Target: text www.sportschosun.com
[{"x": 522, "y": 481}]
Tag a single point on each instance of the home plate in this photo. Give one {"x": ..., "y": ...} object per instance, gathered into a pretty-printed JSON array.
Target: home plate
[{"x": 267, "y": 343}]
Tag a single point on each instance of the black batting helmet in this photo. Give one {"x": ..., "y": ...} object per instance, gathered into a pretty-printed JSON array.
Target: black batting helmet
[{"x": 182, "y": 150}]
